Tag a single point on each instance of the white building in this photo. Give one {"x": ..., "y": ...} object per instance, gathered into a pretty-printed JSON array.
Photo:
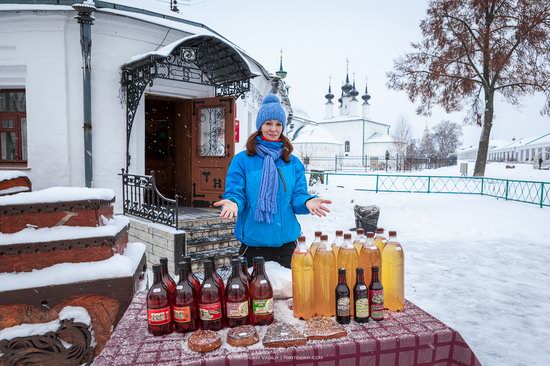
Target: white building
[{"x": 164, "y": 97}]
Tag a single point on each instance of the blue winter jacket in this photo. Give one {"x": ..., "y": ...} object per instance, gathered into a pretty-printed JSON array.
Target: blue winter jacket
[{"x": 242, "y": 186}]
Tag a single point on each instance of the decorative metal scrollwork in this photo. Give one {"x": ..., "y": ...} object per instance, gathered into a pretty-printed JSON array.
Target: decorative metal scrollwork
[{"x": 212, "y": 131}]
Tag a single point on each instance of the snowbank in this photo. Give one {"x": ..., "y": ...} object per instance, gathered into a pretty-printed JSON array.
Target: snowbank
[{"x": 59, "y": 194}]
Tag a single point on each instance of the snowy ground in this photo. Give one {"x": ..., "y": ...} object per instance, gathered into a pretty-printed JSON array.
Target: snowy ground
[{"x": 477, "y": 263}]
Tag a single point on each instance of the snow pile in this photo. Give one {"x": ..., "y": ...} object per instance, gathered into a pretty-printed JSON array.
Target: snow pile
[
  {"x": 11, "y": 174},
  {"x": 59, "y": 194},
  {"x": 77, "y": 313},
  {"x": 63, "y": 273},
  {"x": 280, "y": 278}
]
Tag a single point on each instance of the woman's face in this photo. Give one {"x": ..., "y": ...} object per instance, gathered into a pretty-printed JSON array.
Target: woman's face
[{"x": 272, "y": 129}]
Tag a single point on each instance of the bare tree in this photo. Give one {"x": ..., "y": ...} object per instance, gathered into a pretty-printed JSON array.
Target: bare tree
[
  {"x": 402, "y": 136},
  {"x": 427, "y": 148},
  {"x": 446, "y": 136},
  {"x": 472, "y": 49}
]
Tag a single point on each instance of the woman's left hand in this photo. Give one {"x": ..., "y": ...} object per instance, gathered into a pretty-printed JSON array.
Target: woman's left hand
[{"x": 316, "y": 206}]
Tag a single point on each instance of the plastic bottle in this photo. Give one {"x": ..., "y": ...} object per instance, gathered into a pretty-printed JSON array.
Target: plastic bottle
[
  {"x": 302, "y": 280},
  {"x": 369, "y": 257},
  {"x": 159, "y": 312},
  {"x": 192, "y": 278},
  {"x": 185, "y": 311},
  {"x": 393, "y": 277},
  {"x": 167, "y": 280},
  {"x": 236, "y": 297},
  {"x": 210, "y": 300},
  {"x": 324, "y": 279},
  {"x": 261, "y": 295},
  {"x": 337, "y": 243},
  {"x": 313, "y": 247},
  {"x": 360, "y": 239},
  {"x": 347, "y": 258},
  {"x": 380, "y": 239}
]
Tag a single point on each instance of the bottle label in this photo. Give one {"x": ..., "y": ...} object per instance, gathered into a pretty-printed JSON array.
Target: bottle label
[
  {"x": 342, "y": 306},
  {"x": 237, "y": 309},
  {"x": 158, "y": 316},
  {"x": 377, "y": 304},
  {"x": 262, "y": 307},
  {"x": 210, "y": 311},
  {"x": 362, "y": 308},
  {"x": 182, "y": 314}
]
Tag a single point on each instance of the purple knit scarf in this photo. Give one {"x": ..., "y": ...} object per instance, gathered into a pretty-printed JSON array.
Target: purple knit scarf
[{"x": 270, "y": 151}]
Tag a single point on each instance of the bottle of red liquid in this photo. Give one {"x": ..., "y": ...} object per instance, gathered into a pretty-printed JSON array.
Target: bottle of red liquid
[
  {"x": 192, "y": 278},
  {"x": 210, "y": 300},
  {"x": 167, "y": 280},
  {"x": 236, "y": 297},
  {"x": 219, "y": 281},
  {"x": 261, "y": 295},
  {"x": 376, "y": 296},
  {"x": 159, "y": 312},
  {"x": 185, "y": 312},
  {"x": 244, "y": 268}
]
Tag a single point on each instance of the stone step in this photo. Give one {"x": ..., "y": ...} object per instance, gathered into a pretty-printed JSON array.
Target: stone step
[
  {"x": 221, "y": 256},
  {"x": 218, "y": 229},
  {"x": 211, "y": 243},
  {"x": 202, "y": 221}
]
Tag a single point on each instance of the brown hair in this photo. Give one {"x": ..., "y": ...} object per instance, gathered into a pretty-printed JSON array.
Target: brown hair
[{"x": 251, "y": 145}]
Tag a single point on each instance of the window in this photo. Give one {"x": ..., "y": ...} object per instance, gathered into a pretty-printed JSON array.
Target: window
[
  {"x": 13, "y": 128},
  {"x": 346, "y": 146}
]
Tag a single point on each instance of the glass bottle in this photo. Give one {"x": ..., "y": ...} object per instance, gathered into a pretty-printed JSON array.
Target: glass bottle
[
  {"x": 347, "y": 258},
  {"x": 369, "y": 257},
  {"x": 337, "y": 243},
  {"x": 185, "y": 311},
  {"x": 360, "y": 298},
  {"x": 376, "y": 296},
  {"x": 393, "y": 277},
  {"x": 221, "y": 285},
  {"x": 360, "y": 240},
  {"x": 324, "y": 279},
  {"x": 159, "y": 312},
  {"x": 210, "y": 300},
  {"x": 244, "y": 270},
  {"x": 192, "y": 278},
  {"x": 167, "y": 280},
  {"x": 302, "y": 280},
  {"x": 313, "y": 247},
  {"x": 342, "y": 295},
  {"x": 261, "y": 295},
  {"x": 236, "y": 297}
]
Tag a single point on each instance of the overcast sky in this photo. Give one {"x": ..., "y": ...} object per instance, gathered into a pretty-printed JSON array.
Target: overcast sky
[{"x": 318, "y": 36}]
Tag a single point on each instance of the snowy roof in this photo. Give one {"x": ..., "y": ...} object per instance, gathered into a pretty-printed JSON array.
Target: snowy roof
[
  {"x": 348, "y": 119},
  {"x": 11, "y": 174},
  {"x": 493, "y": 144},
  {"x": 58, "y": 194},
  {"x": 379, "y": 138},
  {"x": 544, "y": 139},
  {"x": 314, "y": 134}
]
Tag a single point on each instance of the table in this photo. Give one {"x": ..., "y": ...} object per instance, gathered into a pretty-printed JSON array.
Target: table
[{"x": 413, "y": 337}]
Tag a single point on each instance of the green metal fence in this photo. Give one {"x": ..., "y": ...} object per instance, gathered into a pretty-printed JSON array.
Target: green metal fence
[{"x": 533, "y": 192}]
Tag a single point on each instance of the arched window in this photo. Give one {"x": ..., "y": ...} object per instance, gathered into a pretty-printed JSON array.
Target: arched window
[{"x": 346, "y": 146}]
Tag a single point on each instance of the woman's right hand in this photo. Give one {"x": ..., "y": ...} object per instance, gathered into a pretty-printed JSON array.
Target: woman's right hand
[{"x": 229, "y": 209}]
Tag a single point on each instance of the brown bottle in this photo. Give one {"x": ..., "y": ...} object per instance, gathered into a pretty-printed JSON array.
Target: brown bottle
[
  {"x": 210, "y": 300},
  {"x": 236, "y": 297},
  {"x": 185, "y": 312},
  {"x": 159, "y": 320},
  {"x": 261, "y": 295},
  {"x": 342, "y": 299},
  {"x": 221, "y": 284},
  {"x": 244, "y": 270},
  {"x": 167, "y": 280},
  {"x": 192, "y": 278},
  {"x": 360, "y": 298},
  {"x": 376, "y": 296}
]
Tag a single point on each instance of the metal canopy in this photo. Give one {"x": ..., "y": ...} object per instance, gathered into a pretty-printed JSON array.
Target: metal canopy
[{"x": 197, "y": 59}]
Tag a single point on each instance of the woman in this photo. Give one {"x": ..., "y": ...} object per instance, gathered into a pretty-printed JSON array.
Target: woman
[{"x": 265, "y": 189}]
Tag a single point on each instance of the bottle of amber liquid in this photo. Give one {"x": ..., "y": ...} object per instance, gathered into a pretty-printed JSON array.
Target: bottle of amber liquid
[
  {"x": 342, "y": 298},
  {"x": 376, "y": 296},
  {"x": 261, "y": 295},
  {"x": 192, "y": 278},
  {"x": 244, "y": 269},
  {"x": 369, "y": 257},
  {"x": 302, "y": 280},
  {"x": 313, "y": 247},
  {"x": 360, "y": 240},
  {"x": 159, "y": 321},
  {"x": 185, "y": 311},
  {"x": 167, "y": 280},
  {"x": 393, "y": 277},
  {"x": 236, "y": 297},
  {"x": 210, "y": 300},
  {"x": 324, "y": 279},
  {"x": 380, "y": 239},
  {"x": 360, "y": 298},
  {"x": 221, "y": 285},
  {"x": 347, "y": 258},
  {"x": 338, "y": 241}
]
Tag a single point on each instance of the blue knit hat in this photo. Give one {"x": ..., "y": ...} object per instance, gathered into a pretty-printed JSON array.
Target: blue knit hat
[{"x": 271, "y": 109}]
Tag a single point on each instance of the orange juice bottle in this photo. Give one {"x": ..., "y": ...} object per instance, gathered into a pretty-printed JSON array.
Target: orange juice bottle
[
  {"x": 337, "y": 243},
  {"x": 393, "y": 277},
  {"x": 324, "y": 279},
  {"x": 369, "y": 257},
  {"x": 313, "y": 247},
  {"x": 347, "y": 258},
  {"x": 360, "y": 239},
  {"x": 302, "y": 280}
]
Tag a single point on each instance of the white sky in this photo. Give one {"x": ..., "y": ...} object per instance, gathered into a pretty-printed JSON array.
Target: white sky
[{"x": 318, "y": 36}]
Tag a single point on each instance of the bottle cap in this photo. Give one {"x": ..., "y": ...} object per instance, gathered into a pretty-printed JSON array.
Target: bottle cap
[
  {"x": 258, "y": 260},
  {"x": 339, "y": 232},
  {"x": 375, "y": 269},
  {"x": 380, "y": 230},
  {"x": 164, "y": 260},
  {"x": 324, "y": 237},
  {"x": 341, "y": 271},
  {"x": 359, "y": 270},
  {"x": 392, "y": 233},
  {"x": 347, "y": 236},
  {"x": 302, "y": 239},
  {"x": 370, "y": 234},
  {"x": 318, "y": 233},
  {"x": 156, "y": 267},
  {"x": 360, "y": 231}
]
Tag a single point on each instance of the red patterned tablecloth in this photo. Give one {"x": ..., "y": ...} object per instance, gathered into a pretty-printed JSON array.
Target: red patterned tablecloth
[{"x": 413, "y": 337}]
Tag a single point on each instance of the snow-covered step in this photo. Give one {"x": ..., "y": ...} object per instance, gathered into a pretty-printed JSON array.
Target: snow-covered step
[
  {"x": 13, "y": 182},
  {"x": 58, "y": 206},
  {"x": 32, "y": 248}
]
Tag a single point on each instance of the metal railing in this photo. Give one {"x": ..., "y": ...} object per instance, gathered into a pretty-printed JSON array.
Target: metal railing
[
  {"x": 339, "y": 163},
  {"x": 532, "y": 192},
  {"x": 141, "y": 198}
]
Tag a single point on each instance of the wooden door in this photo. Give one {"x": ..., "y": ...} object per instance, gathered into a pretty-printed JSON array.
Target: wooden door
[{"x": 212, "y": 148}]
